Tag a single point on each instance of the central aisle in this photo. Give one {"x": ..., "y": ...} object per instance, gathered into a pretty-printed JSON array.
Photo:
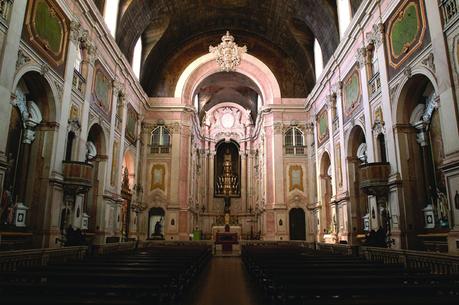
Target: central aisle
[{"x": 225, "y": 283}]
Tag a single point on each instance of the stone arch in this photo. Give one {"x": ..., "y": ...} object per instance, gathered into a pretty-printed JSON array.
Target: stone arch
[
  {"x": 29, "y": 150},
  {"x": 47, "y": 82},
  {"x": 94, "y": 198},
  {"x": 418, "y": 135},
  {"x": 326, "y": 192},
  {"x": 358, "y": 200},
  {"x": 130, "y": 166},
  {"x": 250, "y": 66}
]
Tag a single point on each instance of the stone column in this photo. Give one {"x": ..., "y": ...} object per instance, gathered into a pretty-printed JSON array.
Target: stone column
[
  {"x": 211, "y": 166},
  {"x": 60, "y": 143},
  {"x": 277, "y": 154},
  {"x": 8, "y": 66},
  {"x": 376, "y": 36},
  {"x": 363, "y": 62},
  {"x": 243, "y": 181},
  {"x": 122, "y": 103},
  {"x": 115, "y": 99},
  {"x": 175, "y": 165},
  {"x": 88, "y": 62}
]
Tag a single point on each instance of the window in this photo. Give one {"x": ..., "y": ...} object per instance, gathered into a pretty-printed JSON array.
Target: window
[
  {"x": 78, "y": 61},
  {"x": 318, "y": 59},
  {"x": 344, "y": 15},
  {"x": 160, "y": 140},
  {"x": 137, "y": 58},
  {"x": 111, "y": 15},
  {"x": 294, "y": 141}
]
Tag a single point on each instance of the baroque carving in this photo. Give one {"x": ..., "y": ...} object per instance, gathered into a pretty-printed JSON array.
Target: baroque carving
[
  {"x": 228, "y": 54},
  {"x": 429, "y": 62},
  {"x": 376, "y": 36},
  {"x": 361, "y": 57},
  {"x": 22, "y": 60},
  {"x": 75, "y": 28}
]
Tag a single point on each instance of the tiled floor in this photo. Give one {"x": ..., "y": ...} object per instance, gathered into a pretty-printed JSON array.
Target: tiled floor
[{"x": 224, "y": 283}]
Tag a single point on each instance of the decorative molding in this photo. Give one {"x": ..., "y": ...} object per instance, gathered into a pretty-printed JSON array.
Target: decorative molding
[
  {"x": 228, "y": 54},
  {"x": 22, "y": 60},
  {"x": 429, "y": 62},
  {"x": 376, "y": 36},
  {"x": 361, "y": 57},
  {"x": 278, "y": 127},
  {"x": 44, "y": 69},
  {"x": 407, "y": 71},
  {"x": 75, "y": 31}
]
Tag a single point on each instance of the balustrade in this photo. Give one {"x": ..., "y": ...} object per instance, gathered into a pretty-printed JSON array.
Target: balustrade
[
  {"x": 374, "y": 85},
  {"x": 5, "y": 8},
  {"x": 449, "y": 10}
]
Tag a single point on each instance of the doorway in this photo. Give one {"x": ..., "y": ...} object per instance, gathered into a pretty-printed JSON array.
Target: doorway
[{"x": 297, "y": 224}]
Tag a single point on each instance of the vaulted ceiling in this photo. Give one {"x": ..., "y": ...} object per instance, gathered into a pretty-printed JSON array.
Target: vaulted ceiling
[{"x": 279, "y": 32}]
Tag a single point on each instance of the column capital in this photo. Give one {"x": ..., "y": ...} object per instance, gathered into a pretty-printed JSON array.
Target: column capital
[
  {"x": 376, "y": 35},
  {"x": 75, "y": 31}
]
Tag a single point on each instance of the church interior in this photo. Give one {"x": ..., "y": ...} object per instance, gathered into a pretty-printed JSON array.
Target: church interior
[{"x": 229, "y": 152}]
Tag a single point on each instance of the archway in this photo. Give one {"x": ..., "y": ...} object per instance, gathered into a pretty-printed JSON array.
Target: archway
[
  {"x": 127, "y": 186},
  {"x": 326, "y": 193},
  {"x": 96, "y": 154},
  {"x": 156, "y": 218},
  {"x": 359, "y": 210},
  {"x": 297, "y": 222},
  {"x": 29, "y": 149},
  {"x": 419, "y": 137}
]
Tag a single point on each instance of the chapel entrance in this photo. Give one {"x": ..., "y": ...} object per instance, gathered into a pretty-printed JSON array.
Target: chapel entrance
[{"x": 297, "y": 224}]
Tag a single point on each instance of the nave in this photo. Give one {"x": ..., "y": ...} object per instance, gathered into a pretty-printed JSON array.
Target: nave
[{"x": 276, "y": 274}]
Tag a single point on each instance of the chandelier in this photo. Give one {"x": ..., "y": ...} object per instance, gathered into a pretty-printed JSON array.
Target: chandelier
[{"x": 228, "y": 54}]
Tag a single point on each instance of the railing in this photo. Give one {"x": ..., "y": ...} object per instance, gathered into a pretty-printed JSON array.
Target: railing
[
  {"x": 417, "y": 261},
  {"x": 337, "y": 249},
  {"x": 277, "y": 243},
  {"x": 449, "y": 10},
  {"x": 335, "y": 125},
  {"x": 295, "y": 150},
  {"x": 374, "y": 85},
  {"x": 12, "y": 260},
  {"x": 159, "y": 149},
  {"x": 78, "y": 82},
  {"x": 5, "y": 8},
  {"x": 114, "y": 248},
  {"x": 145, "y": 244}
]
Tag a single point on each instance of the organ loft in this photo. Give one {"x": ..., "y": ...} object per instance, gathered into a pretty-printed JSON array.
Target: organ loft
[{"x": 229, "y": 151}]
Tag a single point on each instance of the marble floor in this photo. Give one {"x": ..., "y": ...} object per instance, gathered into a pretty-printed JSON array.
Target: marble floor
[{"x": 225, "y": 282}]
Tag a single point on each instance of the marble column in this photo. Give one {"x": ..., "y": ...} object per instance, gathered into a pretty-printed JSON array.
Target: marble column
[
  {"x": 8, "y": 60},
  {"x": 243, "y": 180}
]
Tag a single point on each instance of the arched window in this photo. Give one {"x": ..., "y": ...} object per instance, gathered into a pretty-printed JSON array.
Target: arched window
[
  {"x": 137, "y": 58},
  {"x": 294, "y": 141},
  {"x": 111, "y": 15},
  {"x": 344, "y": 15},
  {"x": 318, "y": 59},
  {"x": 160, "y": 140},
  {"x": 78, "y": 61},
  {"x": 382, "y": 147}
]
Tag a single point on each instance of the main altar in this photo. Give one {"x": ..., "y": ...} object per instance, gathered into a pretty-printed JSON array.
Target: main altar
[{"x": 226, "y": 237}]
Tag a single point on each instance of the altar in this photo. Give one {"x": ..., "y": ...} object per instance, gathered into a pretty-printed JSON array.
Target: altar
[{"x": 226, "y": 241}]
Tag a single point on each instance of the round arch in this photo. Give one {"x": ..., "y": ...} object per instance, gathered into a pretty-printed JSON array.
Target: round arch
[
  {"x": 250, "y": 66},
  {"x": 404, "y": 87},
  {"x": 48, "y": 84}
]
